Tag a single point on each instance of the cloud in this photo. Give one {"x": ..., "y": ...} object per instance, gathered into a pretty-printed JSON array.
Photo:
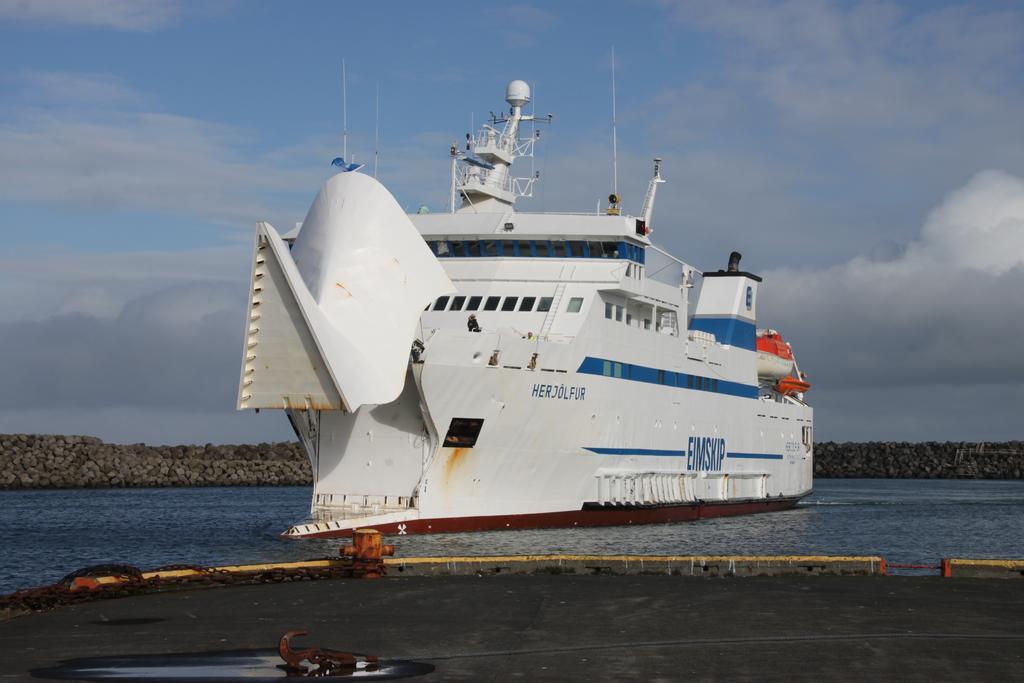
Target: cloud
[
  {"x": 41, "y": 283},
  {"x": 111, "y": 155},
  {"x": 941, "y": 315},
  {"x": 519, "y": 24},
  {"x": 126, "y": 15},
  {"x": 130, "y": 346},
  {"x": 48, "y": 87},
  {"x": 834, "y": 125}
]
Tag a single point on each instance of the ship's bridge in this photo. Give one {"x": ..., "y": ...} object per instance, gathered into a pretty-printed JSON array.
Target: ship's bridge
[{"x": 543, "y": 274}]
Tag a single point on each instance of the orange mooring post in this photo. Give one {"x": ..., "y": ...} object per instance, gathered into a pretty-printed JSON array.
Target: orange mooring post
[
  {"x": 947, "y": 569},
  {"x": 367, "y": 553}
]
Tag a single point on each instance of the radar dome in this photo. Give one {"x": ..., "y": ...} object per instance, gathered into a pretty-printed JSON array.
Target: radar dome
[{"x": 517, "y": 93}]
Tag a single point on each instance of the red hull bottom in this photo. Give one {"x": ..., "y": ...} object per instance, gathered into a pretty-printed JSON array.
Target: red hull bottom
[{"x": 589, "y": 516}]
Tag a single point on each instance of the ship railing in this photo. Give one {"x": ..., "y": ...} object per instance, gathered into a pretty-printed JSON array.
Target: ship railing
[
  {"x": 980, "y": 449},
  {"x": 492, "y": 139},
  {"x": 472, "y": 176}
]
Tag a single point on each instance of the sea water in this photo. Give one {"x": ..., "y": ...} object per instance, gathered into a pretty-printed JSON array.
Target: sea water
[{"x": 46, "y": 534}]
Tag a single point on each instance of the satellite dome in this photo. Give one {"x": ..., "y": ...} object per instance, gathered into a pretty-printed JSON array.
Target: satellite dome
[{"x": 517, "y": 93}]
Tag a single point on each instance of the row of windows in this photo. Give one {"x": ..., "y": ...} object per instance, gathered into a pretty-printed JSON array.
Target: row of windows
[
  {"x": 509, "y": 303},
  {"x": 614, "y": 312},
  {"x": 537, "y": 248},
  {"x": 682, "y": 380}
]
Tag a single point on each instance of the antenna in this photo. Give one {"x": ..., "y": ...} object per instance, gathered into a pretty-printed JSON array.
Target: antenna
[
  {"x": 615, "y": 147},
  {"x": 344, "y": 112},
  {"x": 376, "y": 134}
]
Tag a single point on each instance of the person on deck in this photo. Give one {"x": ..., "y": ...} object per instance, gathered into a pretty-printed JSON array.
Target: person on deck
[{"x": 472, "y": 324}]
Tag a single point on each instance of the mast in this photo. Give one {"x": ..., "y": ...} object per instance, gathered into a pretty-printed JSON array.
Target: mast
[
  {"x": 483, "y": 179},
  {"x": 376, "y": 134},
  {"x": 615, "y": 145},
  {"x": 344, "y": 113}
]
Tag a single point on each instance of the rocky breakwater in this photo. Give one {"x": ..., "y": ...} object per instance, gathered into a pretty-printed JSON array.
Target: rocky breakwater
[
  {"x": 34, "y": 461},
  {"x": 928, "y": 460}
]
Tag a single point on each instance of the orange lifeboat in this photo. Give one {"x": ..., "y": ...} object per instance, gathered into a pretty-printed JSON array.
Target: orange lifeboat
[
  {"x": 775, "y": 361},
  {"x": 774, "y": 356}
]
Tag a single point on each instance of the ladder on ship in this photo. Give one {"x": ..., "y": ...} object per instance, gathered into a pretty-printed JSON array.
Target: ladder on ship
[{"x": 549, "y": 319}]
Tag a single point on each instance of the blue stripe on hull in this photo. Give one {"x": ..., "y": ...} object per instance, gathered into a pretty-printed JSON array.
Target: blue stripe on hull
[
  {"x": 653, "y": 451},
  {"x": 679, "y": 380},
  {"x": 633, "y": 451}
]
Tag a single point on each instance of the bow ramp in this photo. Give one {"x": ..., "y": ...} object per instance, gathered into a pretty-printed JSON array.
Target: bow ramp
[{"x": 331, "y": 320}]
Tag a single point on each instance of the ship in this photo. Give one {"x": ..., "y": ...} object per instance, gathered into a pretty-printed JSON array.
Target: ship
[{"x": 484, "y": 368}]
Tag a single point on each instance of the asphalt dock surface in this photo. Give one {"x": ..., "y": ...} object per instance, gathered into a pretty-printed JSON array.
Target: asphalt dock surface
[{"x": 563, "y": 627}]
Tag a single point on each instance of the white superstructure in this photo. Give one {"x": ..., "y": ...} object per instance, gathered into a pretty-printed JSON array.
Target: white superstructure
[{"x": 486, "y": 368}]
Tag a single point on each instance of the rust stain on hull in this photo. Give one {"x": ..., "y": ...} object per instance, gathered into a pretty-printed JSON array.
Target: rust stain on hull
[{"x": 456, "y": 456}]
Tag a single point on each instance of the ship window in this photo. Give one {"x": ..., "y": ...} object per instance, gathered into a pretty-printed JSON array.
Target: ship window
[
  {"x": 492, "y": 303},
  {"x": 714, "y": 385},
  {"x": 510, "y": 303},
  {"x": 647, "y": 323},
  {"x": 618, "y": 314},
  {"x": 606, "y": 368},
  {"x": 618, "y": 369},
  {"x": 609, "y": 308},
  {"x": 457, "y": 303},
  {"x": 595, "y": 249},
  {"x": 463, "y": 432},
  {"x": 528, "y": 302},
  {"x": 575, "y": 304},
  {"x": 474, "y": 303},
  {"x": 508, "y": 248},
  {"x": 576, "y": 249},
  {"x": 543, "y": 248},
  {"x": 525, "y": 248},
  {"x": 458, "y": 248},
  {"x": 433, "y": 247},
  {"x": 610, "y": 249},
  {"x": 490, "y": 248},
  {"x": 441, "y": 303},
  {"x": 629, "y": 318},
  {"x": 689, "y": 381},
  {"x": 661, "y": 376},
  {"x": 442, "y": 248},
  {"x": 473, "y": 248},
  {"x": 545, "y": 304},
  {"x": 558, "y": 249}
]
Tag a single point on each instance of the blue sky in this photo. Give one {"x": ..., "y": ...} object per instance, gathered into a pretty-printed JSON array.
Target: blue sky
[{"x": 866, "y": 157}]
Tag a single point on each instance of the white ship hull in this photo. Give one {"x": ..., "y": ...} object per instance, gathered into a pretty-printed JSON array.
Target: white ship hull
[
  {"x": 559, "y": 376},
  {"x": 557, "y": 447}
]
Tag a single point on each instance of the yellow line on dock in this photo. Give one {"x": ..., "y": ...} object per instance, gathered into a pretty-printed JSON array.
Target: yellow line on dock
[
  {"x": 1002, "y": 564},
  {"x": 478, "y": 559}
]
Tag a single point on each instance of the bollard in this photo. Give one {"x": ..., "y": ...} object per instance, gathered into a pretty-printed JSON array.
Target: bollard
[{"x": 367, "y": 553}]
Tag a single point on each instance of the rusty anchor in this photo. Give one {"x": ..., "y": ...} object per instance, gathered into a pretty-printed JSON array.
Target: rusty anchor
[{"x": 320, "y": 661}]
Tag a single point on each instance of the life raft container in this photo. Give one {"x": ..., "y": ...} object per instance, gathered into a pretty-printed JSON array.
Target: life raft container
[{"x": 792, "y": 385}]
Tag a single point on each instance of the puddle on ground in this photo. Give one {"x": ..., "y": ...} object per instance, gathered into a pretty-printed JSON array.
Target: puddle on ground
[{"x": 250, "y": 666}]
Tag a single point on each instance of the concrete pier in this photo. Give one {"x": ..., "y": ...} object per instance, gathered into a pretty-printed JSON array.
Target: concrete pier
[{"x": 572, "y": 627}]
